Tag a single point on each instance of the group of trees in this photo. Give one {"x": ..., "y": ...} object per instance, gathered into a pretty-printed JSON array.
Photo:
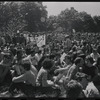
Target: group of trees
[
  {"x": 22, "y": 16},
  {"x": 72, "y": 19},
  {"x": 33, "y": 17}
]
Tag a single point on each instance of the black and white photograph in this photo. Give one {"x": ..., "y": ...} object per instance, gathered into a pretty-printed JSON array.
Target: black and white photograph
[{"x": 49, "y": 49}]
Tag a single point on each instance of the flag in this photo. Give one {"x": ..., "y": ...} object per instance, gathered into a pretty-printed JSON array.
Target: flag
[{"x": 41, "y": 40}]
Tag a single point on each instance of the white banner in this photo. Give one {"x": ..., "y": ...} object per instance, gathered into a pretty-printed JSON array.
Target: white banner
[{"x": 41, "y": 40}]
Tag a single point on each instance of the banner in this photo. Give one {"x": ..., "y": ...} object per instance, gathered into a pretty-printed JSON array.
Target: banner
[{"x": 41, "y": 40}]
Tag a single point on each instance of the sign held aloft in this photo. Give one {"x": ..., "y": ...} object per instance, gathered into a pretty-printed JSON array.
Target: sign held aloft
[{"x": 41, "y": 40}]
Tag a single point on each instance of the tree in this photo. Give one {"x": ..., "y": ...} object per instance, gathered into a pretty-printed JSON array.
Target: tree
[
  {"x": 67, "y": 17},
  {"x": 52, "y": 23},
  {"x": 70, "y": 19},
  {"x": 33, "y": 12},
  {"x": 97, "y": 23},
  {"x": 11, "y": 19},
  {"x": 22, "y": 16}
]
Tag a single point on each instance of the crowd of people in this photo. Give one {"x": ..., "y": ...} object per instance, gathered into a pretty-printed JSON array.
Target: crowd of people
[{"x": 62, "y": 68}]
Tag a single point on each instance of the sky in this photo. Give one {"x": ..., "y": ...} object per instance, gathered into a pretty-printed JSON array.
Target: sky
[{"x": 54, "y": 8}]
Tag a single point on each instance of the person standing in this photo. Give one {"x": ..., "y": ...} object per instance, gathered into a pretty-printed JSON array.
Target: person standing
[{"x": 68, "y": 42}]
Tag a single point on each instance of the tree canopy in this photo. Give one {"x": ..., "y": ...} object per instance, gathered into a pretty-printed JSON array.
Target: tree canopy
[{"x": 33, "y": 17}]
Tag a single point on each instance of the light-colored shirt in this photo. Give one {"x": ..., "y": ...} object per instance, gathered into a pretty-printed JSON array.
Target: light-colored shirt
[
  {"x": 91, "y": 91},
  {"x": 72, "y": 72},
  {"x": 28, "y": 77},
  {"x": 95, "y": 57},
  {"x": 64, "y": 73},
  {"x": 38, "y": 56},
  {"x": 42, "y": 77},
  {"x": 68, "y": 43},
  {"x": 32, "y": 59}
]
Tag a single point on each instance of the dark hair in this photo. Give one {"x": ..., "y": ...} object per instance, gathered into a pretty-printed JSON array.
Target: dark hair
[
  {"x": 90, "y": 59},
  {"x": 80, "y": 75},
  {"x": 82, "y": 56},
  {"x": 47, "y": 63},
  {"x": 58, "y": 54},
  {"x": 32, "y": 51},
  {"x": 94, "y": 50},
  {"x": 19, "y": 52},
  {"x": 52, "y": 56},
  {"x": 68, "y": 57},
  {"x": 79, "y": 52},
  {"x": 26, "y": 66},
  {"x": 74, "y": 89},
  {"x": 84, "y": 43},
  {"x": 74, "y": 48},
  {"x": 98, "y": 61},
  {"x": 8, "y": 56},
  {"x": 77, "y": 60},
  {"x": 74, "y": 55},
  {"x": 39, "y": 51}
]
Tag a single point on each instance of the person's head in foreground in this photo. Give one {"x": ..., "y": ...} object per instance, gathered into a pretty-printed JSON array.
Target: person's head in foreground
[
  {"x": 67, "y": 59},
  {"x": 95, "y": 51},
  {"x": 73, "y": 89},
  {"x": 89, "y": 61},
  {"x": 47, "y": 64},
  {"x": 79, "y": 61},
  {"x": 26, "y": 66}
]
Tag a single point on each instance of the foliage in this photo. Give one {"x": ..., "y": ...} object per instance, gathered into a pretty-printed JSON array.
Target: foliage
[
  {"x": 22, "y": 16},
  {"x": 33, "y": 17},
  {"x": 70, "y": 19}
]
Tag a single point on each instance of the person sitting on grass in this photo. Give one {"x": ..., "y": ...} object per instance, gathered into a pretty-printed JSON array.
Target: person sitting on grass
[
  {"x": 17, "y": 63},
  {"x": 5, "y": 64},
  {"x": 42, "y": 81},
  {"x": 89, "y": 89},
  {"x": 68, "y": 62},
  {"x": 90, "y": 69},
  {"x": 25, "y": 82},
  {"x": 73, "y": 89},
  {"x": 32, "y": 59}
]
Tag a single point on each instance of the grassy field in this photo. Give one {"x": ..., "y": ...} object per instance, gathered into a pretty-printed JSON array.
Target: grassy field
[{"x": 4, "y": 90}]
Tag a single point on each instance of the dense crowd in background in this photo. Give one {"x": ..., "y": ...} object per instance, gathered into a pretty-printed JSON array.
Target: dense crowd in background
[{"x": 67, "y": 66}]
